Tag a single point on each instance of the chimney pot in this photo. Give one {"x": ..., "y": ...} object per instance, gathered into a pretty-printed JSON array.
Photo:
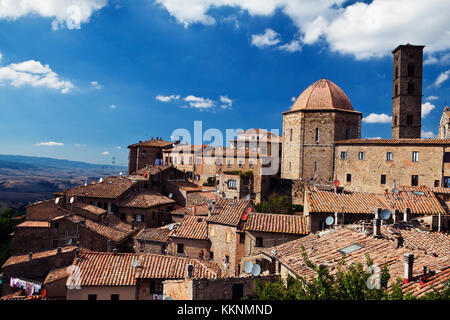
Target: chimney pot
[
  {"x": 396, "y": 217},
  {"x": 399, "y": 240},
  {"x": 406, "y": 214},
  {"x": 377, "y": 213},
  {"x": 408, "y": 267},
  {"x": 377, "y": 228}
]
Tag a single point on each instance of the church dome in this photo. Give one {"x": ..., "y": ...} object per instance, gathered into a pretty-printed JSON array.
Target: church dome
[{"x": 322, "y": 94}]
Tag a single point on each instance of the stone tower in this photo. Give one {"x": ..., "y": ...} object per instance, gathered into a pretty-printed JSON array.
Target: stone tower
[
  {"x": 407, "y": 92},
  {"x": 321, "y": 115}
]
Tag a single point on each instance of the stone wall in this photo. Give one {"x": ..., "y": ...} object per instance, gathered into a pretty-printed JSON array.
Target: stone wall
[
  {"x": 221, "y": 248},
  {"x": 193, "y": 248}
]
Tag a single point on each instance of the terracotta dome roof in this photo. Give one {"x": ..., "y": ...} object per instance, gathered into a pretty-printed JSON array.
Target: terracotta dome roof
[{"x": 322, "y": 94}]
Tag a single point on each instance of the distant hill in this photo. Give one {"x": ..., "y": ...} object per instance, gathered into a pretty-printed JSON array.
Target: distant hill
[{"x": 25, "y": 179}]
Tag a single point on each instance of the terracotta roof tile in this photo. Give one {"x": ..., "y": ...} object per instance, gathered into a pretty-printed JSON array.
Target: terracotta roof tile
[
  {"x": 146, "y": 199},
  {"x": 394, "y": 141},
  {"x": 33, "y": 224},
  {"x": 110, "y": 188},
  {"x": 200, "y": 209},
  {"x": 279, "y": 223},
  {"x": 89, "y": 208},
  {"x": 152, "y": 143},
  {"x": 57, "y": 274},
  {"x": 185, "y": 185},
  {"x": 438, "y": 281},
  {"x": 109, "y": 269},
  {"x": 37, "y": 255},
  {"x": 160, "y": 234},
  {"x": 228, "y": 211},
  {"x": 191, "y": 227}
]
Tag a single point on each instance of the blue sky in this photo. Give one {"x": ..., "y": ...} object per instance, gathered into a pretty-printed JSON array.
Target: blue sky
[{"x": 82, "y": 79}]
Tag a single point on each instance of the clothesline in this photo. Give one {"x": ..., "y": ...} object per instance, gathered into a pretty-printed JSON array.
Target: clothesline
[{"x": 29, "y": 287}]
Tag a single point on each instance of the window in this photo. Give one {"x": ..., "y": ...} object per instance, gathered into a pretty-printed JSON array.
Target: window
[
  {"x": 232, "y": 184},
  {"x": 409, "y": 119},
  {"x": 212, "y": 232},
  {"x": 316, "y": 166},
  {"x": 350, "y": 248},
  {"x": 156, "y": 287},
  {"x": 251, "y": 164},
  {"x": 446, "y": 182},
  {"x": 242, "y": 238},
  {"x": 180, "y": 248},
  {"x": 227, "y": 259},
  {"x": 138, "y": 218},
  {"x": 92, "y": 297},
  {"x": 360, "y": 155},
  {"x": 114, "y": 297},
  {"x": 396, "y": 72},
  {"x": 228, "y": 236},
  {"x": 415, "y": 156},
  {"x": 343, "y": 155},
  {"x": 316, "y": 135},
  {"x": 290, "y": 135},
  {"x": 289, "y": 166},
  {"x": 414, "y": 180},
  {"x": 388, "y": 156},
  {"x": 349, "y": 177},
  {"x": 395, "y": 120},
  {"x": 228, "y": 163},
  {"x": 410, "y": 87},
  {"x": 447, "y": 157},
  {"x": 411, "y": 70},
  {"x": 396, "y": 89},
  {"x": 197, "y": 177},
  {"x": 240, "y": 163},
  {"x": 347, "y": 133},
  {"x": 436, "y": 183},
  {"x": 259, "y": 242},
  {"x": 383, "y": 179}
]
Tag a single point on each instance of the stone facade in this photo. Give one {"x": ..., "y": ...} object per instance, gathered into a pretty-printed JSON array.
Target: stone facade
[
  {"x": 444, "y": 124},
  {"x": 407, "y": 92},
  {"x": 257, "y": 240},
  {"x": 192, "y": 248},
  {"x": 432, "y": 168},
  {"x": 308, "y": 136}
]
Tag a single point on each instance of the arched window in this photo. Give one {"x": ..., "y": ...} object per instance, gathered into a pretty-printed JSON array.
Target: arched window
[
  {"x": 410, "y": 87},
  {"x": 316, "y": 135}
]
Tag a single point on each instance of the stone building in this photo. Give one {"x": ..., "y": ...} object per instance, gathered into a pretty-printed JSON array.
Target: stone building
[
  {"x": 444, "y": 124},
  {"x": 146, "y": 153},
  {"x": 152, "y": 240},
  {"x": 374, "y": 165},
  {"x": 259, "y": 141},
  {"x": 407, "y": 92},
  {"x": 321, "y": 115}
]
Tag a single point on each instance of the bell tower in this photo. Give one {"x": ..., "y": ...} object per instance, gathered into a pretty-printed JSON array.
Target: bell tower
[{"x": 407, "y": 92}]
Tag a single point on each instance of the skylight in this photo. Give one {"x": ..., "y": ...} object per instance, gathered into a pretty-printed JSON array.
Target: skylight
[{"x": 351, "y": 248}]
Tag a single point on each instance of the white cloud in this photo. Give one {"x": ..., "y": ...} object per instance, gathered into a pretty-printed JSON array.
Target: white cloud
[
  {"x": 167, "y": 98},
  {"x": 79, "y": 145},
  {"x": 33, "y": 73},
  {"x": 443, "y": 59},
  {"x": 113, "y": 106},
  {"x": 1, "y": 56},
  {"x": 432, "y": 98},
  {"x": 199, "y": 102},
  {"x": 266, "y": 39},
  {"x": 96, "y": 85},
  {"x": 427, "y": 108},
  {"x": 427, "y": 134},
  {"x": 377, "y": 118},
  {"x": 293, "y": 46},
  {"x": 118, "y": 147},
  {"x": 105, "y": 153},
  {"x": 49, "y": 144},
  {"x": 361, "y": 29},
  {"x": 442, "y": 78},
  {"x": 66, "y": 13},
  {"x": 227, "y": 103}
]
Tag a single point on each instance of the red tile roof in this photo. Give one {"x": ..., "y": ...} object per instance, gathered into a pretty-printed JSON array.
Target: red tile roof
[
  {"x": 322, "y": 248},
  {"x": 438, "y": 281},
  {"x": 89, "y": 208},
  {"x": 279, "y": 223},
  {"x": 419, "y": 200},
  {"x": 191, "y": 227},
  {"x": 152, "y": 143},
  {"x": 109, "y": 269},
  {"x": 37, "y": 255},
  {"x": 228, "y": 211},
  {"x": 200, "y": 209},
  {"x": 57, "y": 274},
  {"x": 146, "y": 199},
  {"x": 152, "y": 170},
  {"x": 110, "y": 188},
  {"x": 160, "y": 234},
  {"x": 185, "y": 185},
  {"x": 394, "y": 141},
  {"x": 33, "y": 224}
]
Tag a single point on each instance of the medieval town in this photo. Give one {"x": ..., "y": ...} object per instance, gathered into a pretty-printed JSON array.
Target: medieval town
[{"x": 186, "y": 221}]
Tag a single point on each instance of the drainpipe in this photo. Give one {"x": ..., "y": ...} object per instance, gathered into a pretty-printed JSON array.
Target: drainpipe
[{"x": 408, "y": 267}]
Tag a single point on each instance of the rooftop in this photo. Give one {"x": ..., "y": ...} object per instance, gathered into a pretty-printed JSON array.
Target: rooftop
[
  {"x": 89, "y": 208},
  {"x": 146, "y": 199},
  {"x": 185, "y": 185},
  {"x": 393, "y": 142},
  {"x": 228, "y": 211},
  {"x": 36, "y": 255},
  {"x": 110, "y": 188},
  {"x": 160, "y": 234},
  {"x": 158, "y": 143},
  {"x": 33, "y": 224},
  {"x": 279, "y": 223},
  {"x": 191, "y": 227},
  {"x": 57, "y": 274}
]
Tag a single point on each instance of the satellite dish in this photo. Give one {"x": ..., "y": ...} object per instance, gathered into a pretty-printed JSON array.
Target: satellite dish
[
  {"x": 171, "y": 226},
  {"x": 248, "y": 266},
  {"x": 336, "y": 183},
  {"x": 100, "y": 180},
  {"x": 256, "y": 270},
  {"x": 247, "y": 197},
  {"x": 69, "y": 242},
  {"x": 244, "y": 216},
  {"x": 249, "y": 210},
  {"x": 168, "y": 298},
  {"x": 135, "y": 263},
  {"x": 385, "y": 214},
  {"x": 170, "y": 195},
  {"x": 72, "y": 199},
  {"x": 56, "y": 200},
  {"x": 395, "y": 190},
  {"x": 329, "y": 220}
]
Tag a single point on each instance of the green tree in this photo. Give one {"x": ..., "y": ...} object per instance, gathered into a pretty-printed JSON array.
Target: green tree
[{"x": 280, "y": 204}]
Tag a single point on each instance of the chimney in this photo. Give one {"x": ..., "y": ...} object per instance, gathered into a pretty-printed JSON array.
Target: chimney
[
  {"x": 377, "y": 213},
  {"x": 339, "y": 218},
  {"x": 424, "y": 277},
  {"x": 30, "y": 256},
  {"x": 189, "y": 271},
  {"x": 58, "y": 251},
  {"x": 377, "y": 228},
  {"x": 397, "y": 216},
  {"x": 408, "y": 267},
  {"x": 406, "y": 214},
  {"x": 399, "y": 241}
]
